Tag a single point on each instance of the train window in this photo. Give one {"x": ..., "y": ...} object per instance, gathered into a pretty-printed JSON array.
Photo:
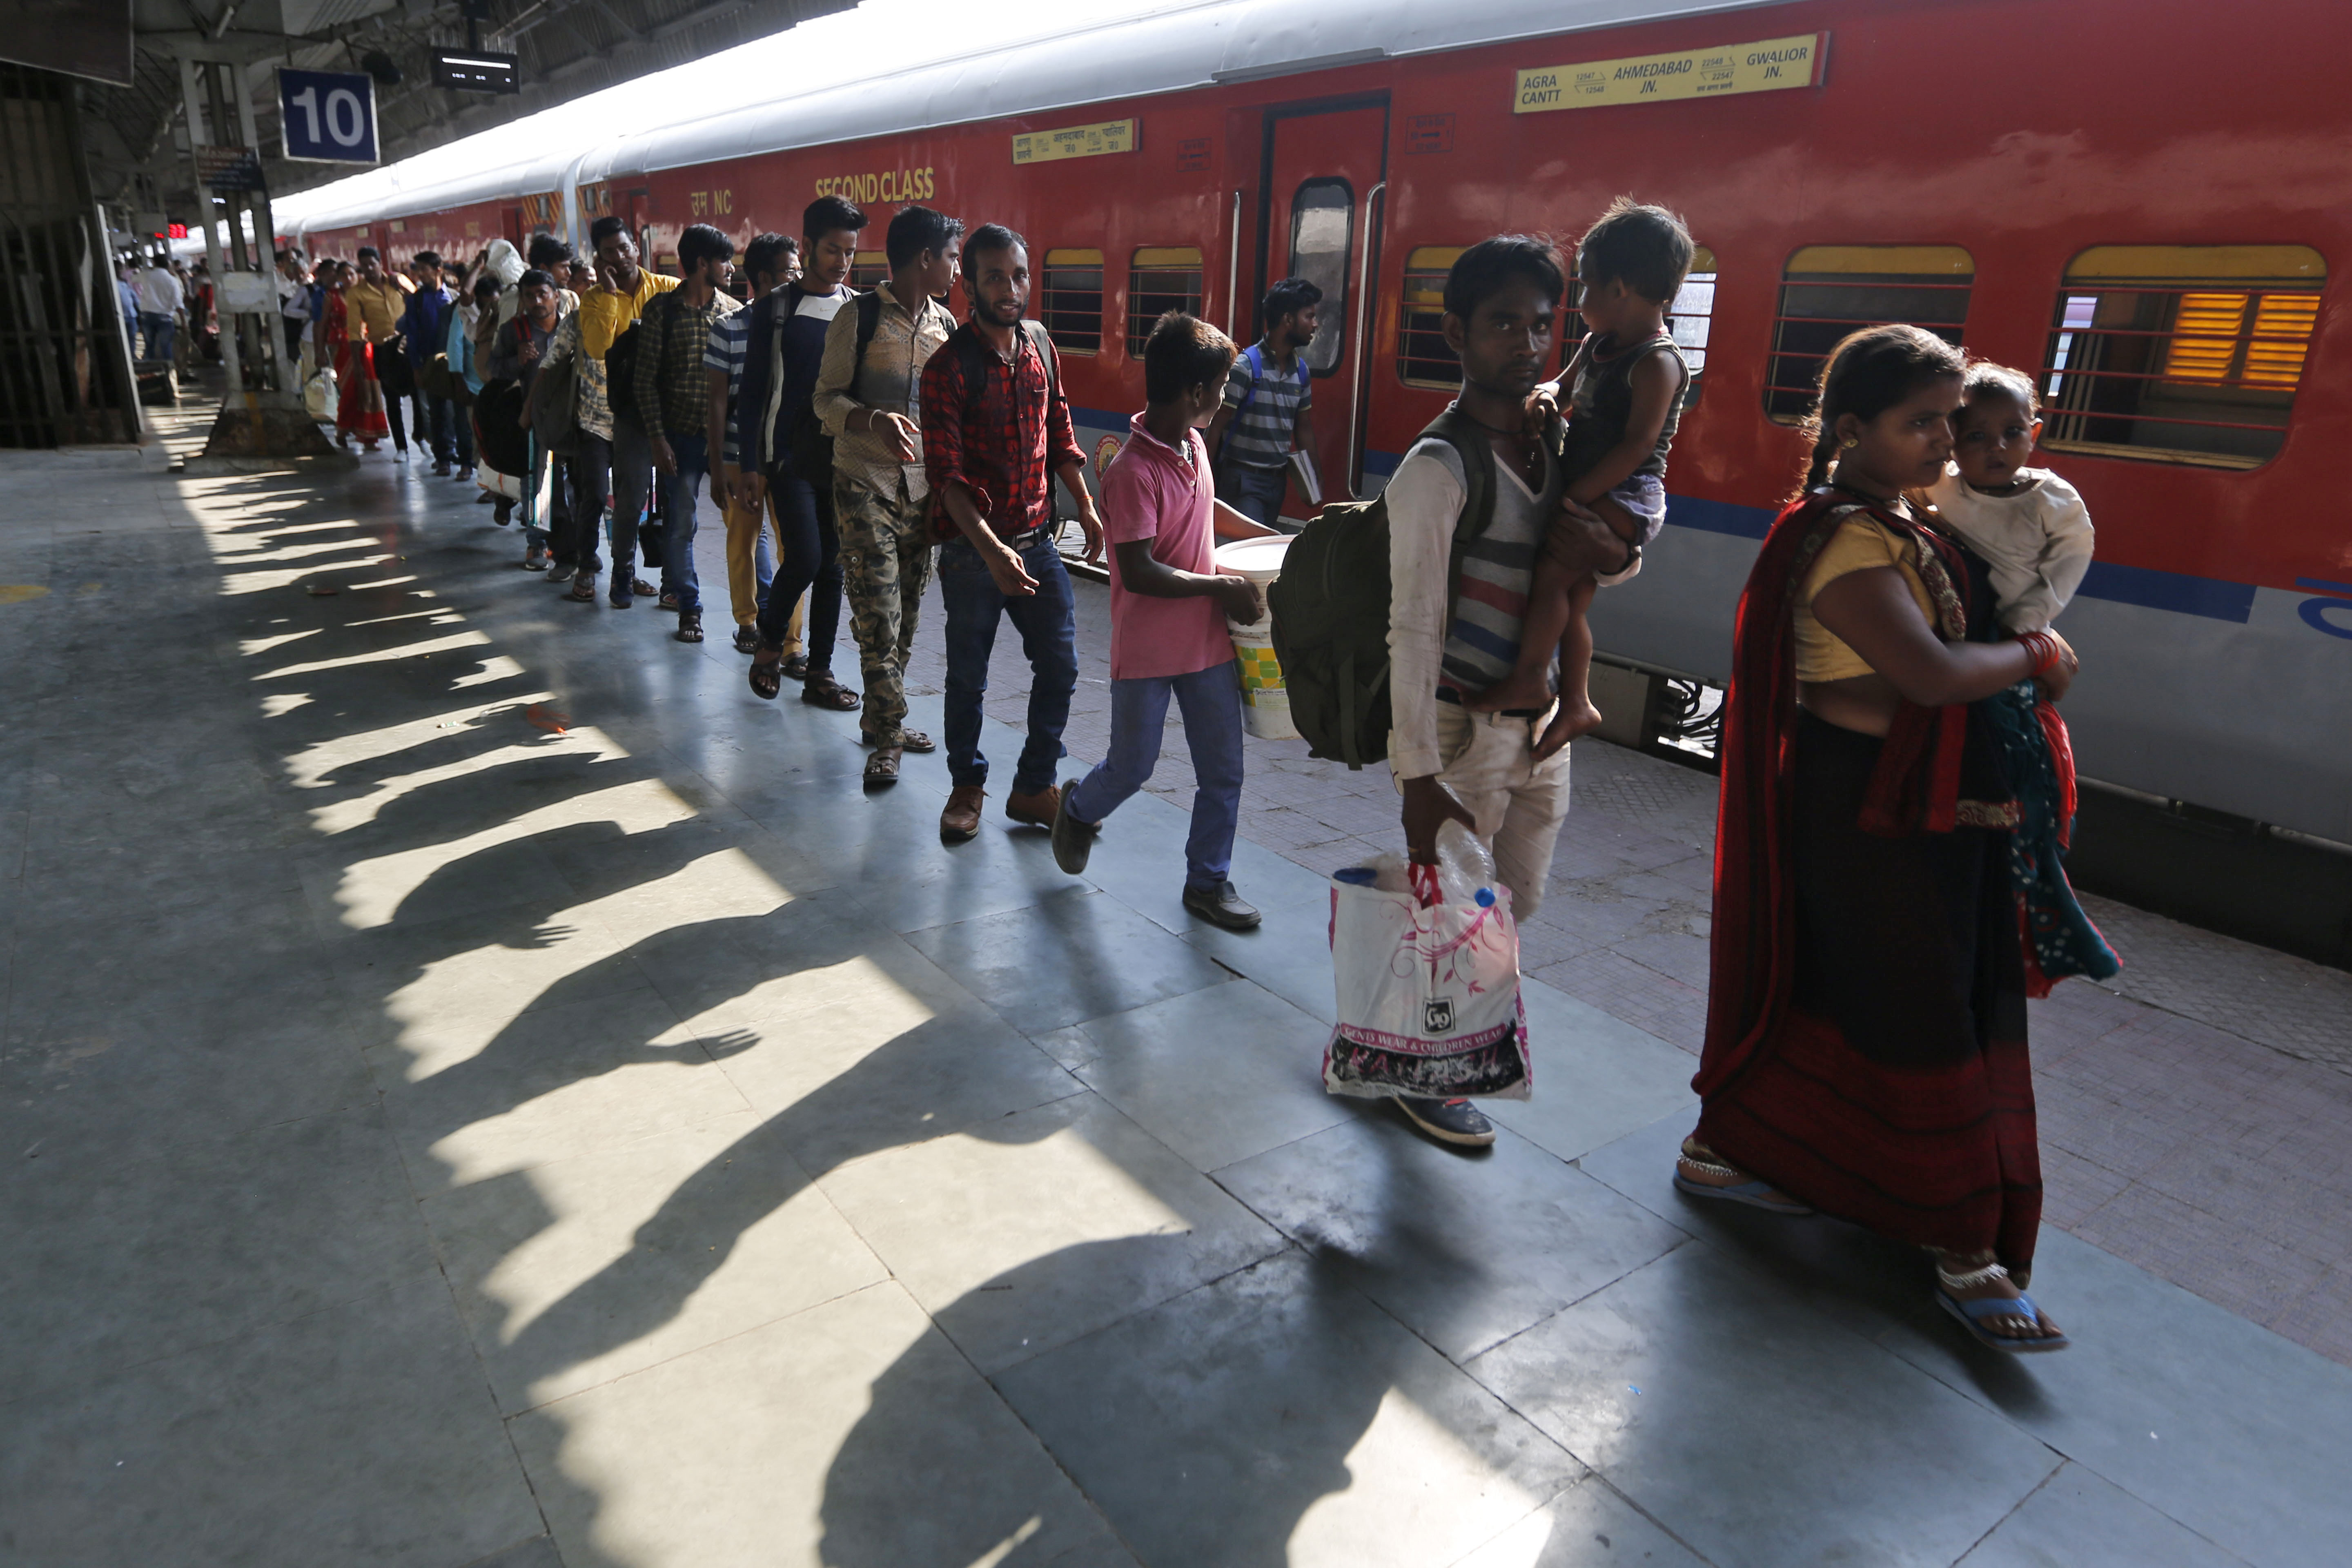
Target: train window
[
  {"x": 868, "y": 267},
  {"x": 1322, "y": 229},
  {"x": 1422, "y": 358},
  {"x": 1161, "y": 279},
  {"x": 1829, "y": 291},
  {"x": 1070, "y": 300},
  {"x": 2180, "y": 354},
  {"x": 1689, "y": 317}
]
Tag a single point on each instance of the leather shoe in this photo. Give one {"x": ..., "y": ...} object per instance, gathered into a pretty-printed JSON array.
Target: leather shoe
[
  {"x": 959, "y": 822},
  {"x": 1221, "y": 906},
  {"x": 1037, "y": 810}
]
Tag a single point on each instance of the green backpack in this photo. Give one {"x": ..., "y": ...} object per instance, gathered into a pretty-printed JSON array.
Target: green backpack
[{"x": 1330, "y": 607}]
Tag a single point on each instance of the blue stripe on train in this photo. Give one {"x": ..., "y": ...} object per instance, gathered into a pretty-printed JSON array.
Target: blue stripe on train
[{"x": 2174, "y": 590}]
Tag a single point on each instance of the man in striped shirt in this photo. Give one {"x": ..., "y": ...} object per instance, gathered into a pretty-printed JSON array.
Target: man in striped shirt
[
  {"x": 1451, "y": 636},
  {"x": 772, "y": 260},
  {"x": 1269, "y": 405}
]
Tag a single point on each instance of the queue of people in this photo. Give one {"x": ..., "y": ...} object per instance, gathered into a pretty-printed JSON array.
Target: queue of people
[{"x": 1895, "y": 784}]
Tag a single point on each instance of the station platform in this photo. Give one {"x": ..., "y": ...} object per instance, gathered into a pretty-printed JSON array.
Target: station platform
[{"x": 477, "y": 1087}]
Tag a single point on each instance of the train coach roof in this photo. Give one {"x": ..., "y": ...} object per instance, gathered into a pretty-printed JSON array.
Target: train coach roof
[{"x": 959, "y": 69}]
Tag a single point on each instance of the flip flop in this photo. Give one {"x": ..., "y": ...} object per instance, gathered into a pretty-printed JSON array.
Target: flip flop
[
  {"x": 826, "y": 692},
  {"x": 1968, "y": 1314},
  {"x": 1755, "y": 1194}
]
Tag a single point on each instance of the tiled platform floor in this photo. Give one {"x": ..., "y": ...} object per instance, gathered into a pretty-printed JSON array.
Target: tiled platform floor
[{"x": 475, "y": 1087}]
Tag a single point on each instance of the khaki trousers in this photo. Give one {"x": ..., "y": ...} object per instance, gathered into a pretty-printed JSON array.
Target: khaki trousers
[
  {"x": 1488, "y": 761},
  {"x": 743, "y": 526}
]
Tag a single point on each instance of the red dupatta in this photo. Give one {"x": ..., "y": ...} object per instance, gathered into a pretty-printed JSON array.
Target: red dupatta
[{"x": 1915, "y": 787}]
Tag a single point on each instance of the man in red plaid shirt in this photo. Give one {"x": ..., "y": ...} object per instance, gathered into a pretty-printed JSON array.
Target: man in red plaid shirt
[{"x": 996, "y": 432}]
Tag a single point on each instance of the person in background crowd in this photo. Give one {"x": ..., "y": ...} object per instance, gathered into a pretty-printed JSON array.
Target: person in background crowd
[
  {"x": 374, "y": 304},
  {"x": 871, "y": 404},
  {"x": 1455, "y": 623},
  {"x": 751, "y": 564},
  {"x": 618, "y": 463},
  {"x": 1269, "y": 405},
  {"x": 160, "y": 294},
  {"x": 126, "y": 289},
  {"x": 673, "y": 399},
  {"x": 996, "y": 433},
  {"x": 196, "y": 308},
  {"x": 359, "y": 405},
  {"x": 423, "y": 327},
  {"x": 516, "y": 354},
  {"x": 293, "y": 307},
  {"x": 579, "y": 277},
  {"x": 784, "y": 351},
  {"x": 465, "y": 365},
  {"x": 1168, "y": 609}
]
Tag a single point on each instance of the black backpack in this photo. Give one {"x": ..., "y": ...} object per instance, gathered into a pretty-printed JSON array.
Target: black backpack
[
  {"x": 621, "y": 369},
  {"x": 811, "y": 447},
  {"x": 1331, "y": 606}
]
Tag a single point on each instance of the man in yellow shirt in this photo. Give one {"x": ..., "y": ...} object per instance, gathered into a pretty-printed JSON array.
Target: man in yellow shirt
[
  {"x": 375, "y": 305},
  {"x": 615, "y": 454}
]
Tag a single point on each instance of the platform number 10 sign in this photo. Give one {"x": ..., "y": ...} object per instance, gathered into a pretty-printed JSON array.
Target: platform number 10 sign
[{"x": 327, "y": 117}]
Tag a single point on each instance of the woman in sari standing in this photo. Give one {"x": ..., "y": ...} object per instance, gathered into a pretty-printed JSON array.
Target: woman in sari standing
[
  {"x": 359, "y": 403},
  {"x": 1866, "y": 1049}
]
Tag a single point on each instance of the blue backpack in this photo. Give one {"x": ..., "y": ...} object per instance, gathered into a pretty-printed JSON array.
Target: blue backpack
[{"x": 1256, "y": 363}]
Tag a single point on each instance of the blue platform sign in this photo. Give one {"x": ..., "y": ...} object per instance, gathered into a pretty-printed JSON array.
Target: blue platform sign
[{"x": 327, "y": 117}]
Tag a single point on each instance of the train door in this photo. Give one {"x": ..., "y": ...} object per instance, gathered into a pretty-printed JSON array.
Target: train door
[{"x": 1323, "y": 170}]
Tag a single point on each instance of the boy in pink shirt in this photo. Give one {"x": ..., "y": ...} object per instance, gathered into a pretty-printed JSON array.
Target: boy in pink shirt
[{"x": 1168, "y": 612}]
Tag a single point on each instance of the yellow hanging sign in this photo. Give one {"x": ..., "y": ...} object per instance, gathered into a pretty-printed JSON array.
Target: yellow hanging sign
[
  {"x": 1073, "y": 142},
  {"x": 1716, "y": 72}
]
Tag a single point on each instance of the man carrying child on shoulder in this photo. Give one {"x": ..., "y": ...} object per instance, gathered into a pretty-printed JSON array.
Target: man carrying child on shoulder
[
  {"x": 1168, "y": 606},
  {"x": 1452, "y": 635},
  {"x": 996, "y": 432}
]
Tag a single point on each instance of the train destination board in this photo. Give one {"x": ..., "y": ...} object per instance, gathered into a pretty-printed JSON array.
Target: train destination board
[
  {"x": 1073, "y": 142},
  {"x": 1715, "y": 71}
]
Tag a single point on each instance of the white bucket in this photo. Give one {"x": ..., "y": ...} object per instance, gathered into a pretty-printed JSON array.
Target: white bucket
[{"x": 1265, "y": 706}]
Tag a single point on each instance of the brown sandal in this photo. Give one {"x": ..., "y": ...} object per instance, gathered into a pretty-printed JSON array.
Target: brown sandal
[
  {"x": 767, "y": 673},
  {"x": 909, "y": 740},
  {"x": 825, "y": 691},
  {"x": 882, "y": 768}
]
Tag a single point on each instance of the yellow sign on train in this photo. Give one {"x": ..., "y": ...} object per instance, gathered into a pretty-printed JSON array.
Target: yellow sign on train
[
  {"x": 1073, "y": 142},
  {"x": 1717, "y": 72}
]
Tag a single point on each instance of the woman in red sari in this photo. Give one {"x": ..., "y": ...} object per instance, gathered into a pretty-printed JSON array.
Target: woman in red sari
[
  {"x": 359, "y": 405},
  {"x": 1866, "y": 1049}
]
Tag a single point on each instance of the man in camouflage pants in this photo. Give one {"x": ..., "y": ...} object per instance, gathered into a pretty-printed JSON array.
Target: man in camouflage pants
[{"x": 871, "y": 406}]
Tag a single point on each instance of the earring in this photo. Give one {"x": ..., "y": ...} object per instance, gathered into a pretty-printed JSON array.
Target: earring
[{"x": 1851, "y": 442}]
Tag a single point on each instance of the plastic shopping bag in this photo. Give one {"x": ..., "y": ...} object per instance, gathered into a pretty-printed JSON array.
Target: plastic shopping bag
[
  {"x": 318, "y": 394},
  {"x": 1428, "y": 974}
]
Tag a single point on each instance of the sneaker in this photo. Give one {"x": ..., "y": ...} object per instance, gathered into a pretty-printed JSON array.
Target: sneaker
[
  {"x": 534, "y": 559},
  {"x": 440, "y": 470},
  {"x": 619, "y": 597},
  {"x": 561, "y": 574},
  {"x": 1449, "y": 1120},
  {"x": 400, "y": 454},
  {"x": 1221, "y": 906},
  {"x": 747, "y": 640},
  {"x": 1073, "y": 840},
  {"x": 667, "y": 602}
]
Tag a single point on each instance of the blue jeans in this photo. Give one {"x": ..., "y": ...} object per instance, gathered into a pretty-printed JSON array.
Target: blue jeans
[
  {"x": 1047, "y": 621},
  {"x": 1210, "y": 701},
  {"x": 158, "y": 331},
  {"x": 1255, "y": 493},
  {"x": 678, "y": 515},
  {"x": 631, "y": 457}
]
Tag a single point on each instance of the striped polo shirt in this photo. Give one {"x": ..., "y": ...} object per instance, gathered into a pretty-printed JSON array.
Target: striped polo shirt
[
  {"x": 1490, "y": 602},
  {"x": 1260, "y": 434}
]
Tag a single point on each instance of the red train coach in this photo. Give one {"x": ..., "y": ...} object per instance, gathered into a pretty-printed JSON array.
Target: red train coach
[{"x": 2093, "y": 190}]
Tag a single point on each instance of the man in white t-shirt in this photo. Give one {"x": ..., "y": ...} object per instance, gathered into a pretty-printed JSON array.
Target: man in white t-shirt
[{"x": 160, "y": 295}]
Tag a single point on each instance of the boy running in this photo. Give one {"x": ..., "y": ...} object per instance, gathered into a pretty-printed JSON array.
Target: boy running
[{"x": 1168, "y": 612}]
